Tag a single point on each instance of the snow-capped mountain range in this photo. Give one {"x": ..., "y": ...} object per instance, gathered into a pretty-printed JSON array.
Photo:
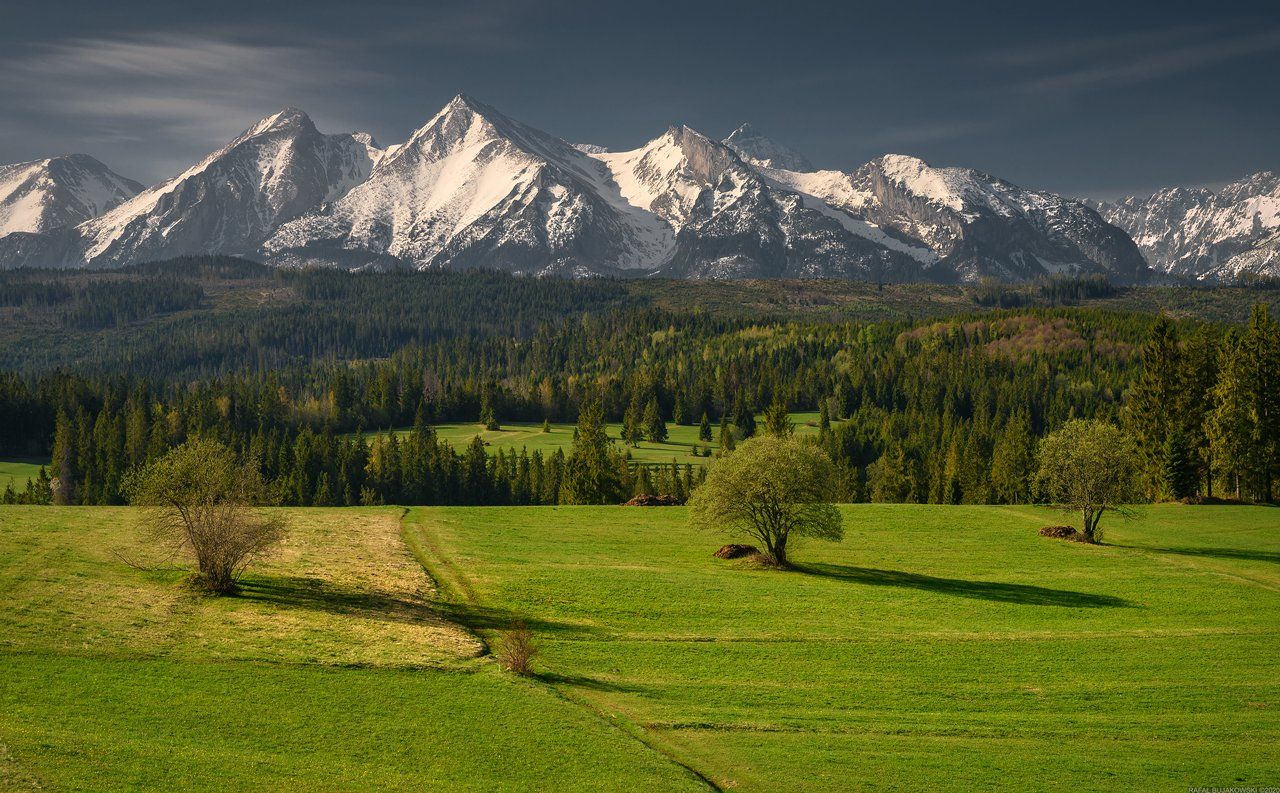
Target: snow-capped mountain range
[
  {"x": 1206, "y": 234},
  {"x": 475, "y": 188}
]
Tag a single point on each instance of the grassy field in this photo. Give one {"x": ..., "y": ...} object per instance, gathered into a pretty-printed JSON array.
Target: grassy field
[
  {"x": 946, "y": 647},
  {"x": 335, "y": 670},
  {"x": 937, "y": 647},
  {"x": 514, "y": 436},
  {"x": 17, "y": 472}
]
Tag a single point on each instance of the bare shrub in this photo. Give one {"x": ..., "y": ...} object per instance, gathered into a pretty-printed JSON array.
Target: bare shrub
[
  {"x": 517, "y": 650},
  {"x": 198, "y": 499}
]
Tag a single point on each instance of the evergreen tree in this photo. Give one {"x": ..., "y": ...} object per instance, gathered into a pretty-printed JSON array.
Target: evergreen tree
[
  {"x": 777, "y": 422},
  {"x": 1179, "y": 466},
  {"x": 1155, "y": 404},
  {"x": 655, "y": 429},
  {"x": 743, "y": 418},
  {"x": 728, "y": 439},
  {"x": 1261, "y": 345},
  {"x": 592, "y": 474},
  {"x": 704, "y": 428},
  {"x": 1013, "y": 461},
  {"x": 632, "y": 427},
  {"x": 488, "y": 418}
]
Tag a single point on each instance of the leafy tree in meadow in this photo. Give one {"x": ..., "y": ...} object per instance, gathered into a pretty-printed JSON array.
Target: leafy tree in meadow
[
  {"x": 773, "y": 490},
  {"x": 1087, "y": 467}
]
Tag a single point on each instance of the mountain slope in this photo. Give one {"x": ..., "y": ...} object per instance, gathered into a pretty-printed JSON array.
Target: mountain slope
[
  {"x": 474, "y": 188},
  {"x": 974, "y": 224},
  {"x": 730, "y": 222},
  {"x": 43, "y": 195},
  {"x": 233, "y": 199},
  {"x": 1205, "y": 234}
]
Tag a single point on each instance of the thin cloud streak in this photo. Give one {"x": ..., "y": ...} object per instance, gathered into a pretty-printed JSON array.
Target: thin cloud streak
[
  {"x": 1132, "y": 69},
  {"x": 183, "y": 92}
]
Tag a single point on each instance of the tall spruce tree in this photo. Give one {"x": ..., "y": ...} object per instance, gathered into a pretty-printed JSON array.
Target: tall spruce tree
[
  {"x": 1156, "y": 402},
  {"x": 592, "y": 473}
]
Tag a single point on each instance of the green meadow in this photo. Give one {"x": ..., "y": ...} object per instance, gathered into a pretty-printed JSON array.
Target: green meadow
[
  {"x": 679, "y": 446},
  {"x": 17, "y": 472},
  {"x": 936, "y": 647}
]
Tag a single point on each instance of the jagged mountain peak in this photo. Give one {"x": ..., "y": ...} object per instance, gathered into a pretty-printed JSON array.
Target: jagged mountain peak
[
  {"x": 54, "y": 192},
  {"x": 1206, "y": 234},
  {"x": 286, "y": 119},
  {"x": 764, "y": 151}
]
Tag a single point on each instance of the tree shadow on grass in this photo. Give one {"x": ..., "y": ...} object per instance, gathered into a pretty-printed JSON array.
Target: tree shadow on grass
[
  {"x": 1025, "y": 594},
  {"x": 1242, "y": 554},
  {"x": 320, "y": 595},
  {"x": 580, "y": 681}
]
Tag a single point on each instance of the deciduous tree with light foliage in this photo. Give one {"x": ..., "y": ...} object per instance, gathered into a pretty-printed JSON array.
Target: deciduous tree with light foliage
[
  {"x": 772, "y": 490},
  {"x": 1087, "y": 467},
  {"x": 198, "y": 499}
]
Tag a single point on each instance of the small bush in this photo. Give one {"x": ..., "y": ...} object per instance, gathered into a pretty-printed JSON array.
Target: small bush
[{"x": 517, "y": 650}]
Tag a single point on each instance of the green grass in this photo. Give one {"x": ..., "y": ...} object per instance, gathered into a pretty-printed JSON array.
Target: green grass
[
  {"x": 514, "y": 436},
  {"x": 335, "y": 670},
  {"x": 17, "y": 472},
  {"x": 937, "y": 647}
]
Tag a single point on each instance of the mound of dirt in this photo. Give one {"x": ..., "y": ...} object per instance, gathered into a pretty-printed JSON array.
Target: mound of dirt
[
  {"x": 643, "y": 500},
  {"x": 1059, "y": 532},
  {"x": 736, "y": 551}
]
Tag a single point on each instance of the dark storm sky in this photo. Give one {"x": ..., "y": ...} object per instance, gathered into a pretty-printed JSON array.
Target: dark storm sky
[{"x": 1092, "y": 99}]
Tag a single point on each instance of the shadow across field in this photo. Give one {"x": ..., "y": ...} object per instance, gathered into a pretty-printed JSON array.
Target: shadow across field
[
  {"x": 580, "y": 681},
  {"x": 1242, "y": 554},
  {"x": 1025, "y": 594},
  {"x": 320, "y": 595}
]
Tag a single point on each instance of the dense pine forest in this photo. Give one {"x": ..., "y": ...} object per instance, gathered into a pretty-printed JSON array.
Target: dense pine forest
[{"x": 925, "y": 393}]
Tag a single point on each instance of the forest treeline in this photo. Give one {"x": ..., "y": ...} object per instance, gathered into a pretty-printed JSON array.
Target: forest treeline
[{"x": 945, "y": 411}]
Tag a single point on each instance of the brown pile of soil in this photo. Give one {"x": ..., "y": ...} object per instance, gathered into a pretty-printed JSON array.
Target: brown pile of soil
[
  {"x": 1059, "y": 532},
  {"x": 643, "y": 500},
  {"x": 736, "y": 551}
]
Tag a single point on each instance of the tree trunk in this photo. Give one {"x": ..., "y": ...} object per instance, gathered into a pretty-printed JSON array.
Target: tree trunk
[
  {"x": 1090, "y": 522},
  {"x": 778, "y": 550}
]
